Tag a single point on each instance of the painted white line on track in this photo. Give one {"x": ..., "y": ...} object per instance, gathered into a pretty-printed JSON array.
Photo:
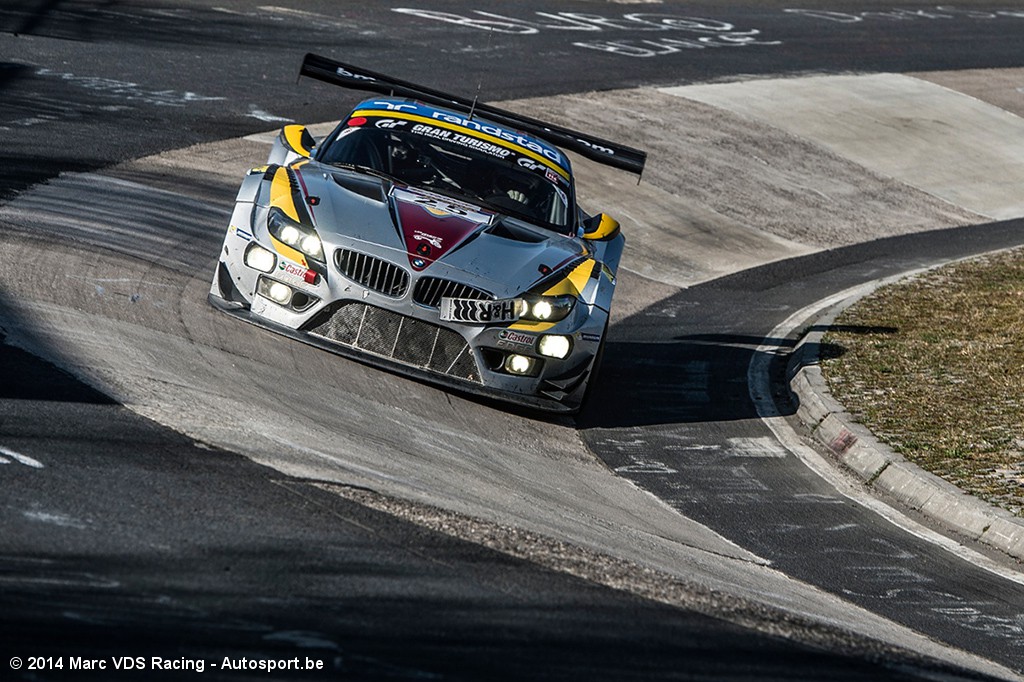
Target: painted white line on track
[
  {"x": 759, "y": 387},
  {"x": 19, "y": 458},
  {"x": 266, "y": 117},
  {"x": 62, "y": 520}
]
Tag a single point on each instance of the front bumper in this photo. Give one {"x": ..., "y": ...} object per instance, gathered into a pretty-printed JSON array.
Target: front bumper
[{"x": 453, "y": 367}]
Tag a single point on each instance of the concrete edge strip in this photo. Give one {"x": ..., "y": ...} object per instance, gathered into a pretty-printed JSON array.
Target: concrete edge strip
[{"x": 874, "y": 463}]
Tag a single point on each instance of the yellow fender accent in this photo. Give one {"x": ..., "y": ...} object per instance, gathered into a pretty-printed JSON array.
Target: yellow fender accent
[
  {"x": 573, "y": 283},
  {"x": 535, "y": 327},
  {"x": 281, "y": 194},
  {"x": 283, "y": 197}
]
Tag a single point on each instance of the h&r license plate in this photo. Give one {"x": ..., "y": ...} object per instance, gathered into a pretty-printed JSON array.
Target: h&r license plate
[{"x": 479, "y": 312}]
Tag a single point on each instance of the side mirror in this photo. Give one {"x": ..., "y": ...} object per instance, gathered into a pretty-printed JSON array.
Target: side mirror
[
  {"x": 600, "y": 227},
  {"x": 296, "y": 139}
]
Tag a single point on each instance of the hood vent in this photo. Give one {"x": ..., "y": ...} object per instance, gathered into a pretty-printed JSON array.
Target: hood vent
[
  {"x": 371, "y": 188},
  {"x": 508, "y": 229}
]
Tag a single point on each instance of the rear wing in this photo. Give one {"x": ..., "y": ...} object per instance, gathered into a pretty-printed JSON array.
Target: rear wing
[{"x": 593, "y": 148}]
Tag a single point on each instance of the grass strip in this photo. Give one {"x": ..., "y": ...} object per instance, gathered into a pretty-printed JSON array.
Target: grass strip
[{"x": 934, "y": 366}]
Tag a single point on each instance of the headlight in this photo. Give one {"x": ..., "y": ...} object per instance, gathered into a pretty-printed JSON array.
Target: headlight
[
  {"x": 295, "y": 235},
  {"x": 259, "y": 258},
  {"x": 546, "y": 308}
]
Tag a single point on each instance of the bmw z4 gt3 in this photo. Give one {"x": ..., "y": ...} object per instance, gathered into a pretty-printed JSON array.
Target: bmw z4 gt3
[{"x": 431, "y": 236}]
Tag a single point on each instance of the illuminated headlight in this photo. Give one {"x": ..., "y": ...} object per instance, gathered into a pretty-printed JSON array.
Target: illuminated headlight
[
  {"x": 311, "y": 246},
  {"x": 295, "y": 235},
  {"x": 290, "y": 236},
  {"x": 546, "y": 308},
  {"x": 279, "y": 292},
  {"x": 276, "y": 291},
  {"x": 518, "y": 364},
  {"x": 554, "y": 346},
  {"x": 259, "y": 258}
]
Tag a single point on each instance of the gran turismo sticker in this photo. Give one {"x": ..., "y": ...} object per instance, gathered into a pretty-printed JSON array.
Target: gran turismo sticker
[{"x": 462, "y": 140}]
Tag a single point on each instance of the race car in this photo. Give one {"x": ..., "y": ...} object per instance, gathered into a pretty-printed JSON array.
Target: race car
[{"x": 433, "y": 236}]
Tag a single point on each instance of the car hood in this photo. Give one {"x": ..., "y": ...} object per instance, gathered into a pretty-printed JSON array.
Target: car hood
[{"x": 432, "y": 234}]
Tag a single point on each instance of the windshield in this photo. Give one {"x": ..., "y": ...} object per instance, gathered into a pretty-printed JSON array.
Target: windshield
[{"x": 457, "y": 164}]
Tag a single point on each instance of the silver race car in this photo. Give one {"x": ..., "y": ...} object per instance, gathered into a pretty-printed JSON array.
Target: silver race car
[{"x": 432, "y": 236}]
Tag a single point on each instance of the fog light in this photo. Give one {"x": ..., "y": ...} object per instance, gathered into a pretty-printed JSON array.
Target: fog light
[
  {"x": 280, "y": 293},
  {"x": 275, "y": 291},
  {"x": 258, "y": 258},
  {"x": 518, "y": 364},
  {"x": 554, "y": 346}
]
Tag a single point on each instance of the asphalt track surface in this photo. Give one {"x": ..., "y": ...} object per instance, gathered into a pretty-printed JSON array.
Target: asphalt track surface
[{"x": 165, "y": 547}]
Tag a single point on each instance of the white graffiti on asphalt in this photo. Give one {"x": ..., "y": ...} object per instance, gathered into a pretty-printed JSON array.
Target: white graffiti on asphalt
[
  {"x": 127, "y": 90},
  {"x": 110, "y": 95},
  {"x": 704, "y": 33},
  {"x": 940, "y": 12}
]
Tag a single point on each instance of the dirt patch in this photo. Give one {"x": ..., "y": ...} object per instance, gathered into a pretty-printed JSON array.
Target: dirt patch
[{"x": 1003, "y": 88}]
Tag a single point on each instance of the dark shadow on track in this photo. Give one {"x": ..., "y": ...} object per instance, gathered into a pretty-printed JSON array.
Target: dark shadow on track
[
  {"x": 27, "y": 377},
  {"x": 691, "y": 366}
]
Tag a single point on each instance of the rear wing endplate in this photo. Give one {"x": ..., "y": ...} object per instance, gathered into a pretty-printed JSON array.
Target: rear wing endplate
[{"x": 593, "y": 148}]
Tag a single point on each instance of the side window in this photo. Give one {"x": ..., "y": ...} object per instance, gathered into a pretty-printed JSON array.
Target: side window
[{"x": 358, "y": 146}]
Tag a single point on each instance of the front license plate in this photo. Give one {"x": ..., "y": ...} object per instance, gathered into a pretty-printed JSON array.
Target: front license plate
[{"x": 479, "y": 312}]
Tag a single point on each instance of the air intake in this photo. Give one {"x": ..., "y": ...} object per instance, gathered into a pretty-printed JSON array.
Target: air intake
[
  {"x": 430, "y": 290},
  {"x": 373, "y": 273},
  {"x": 401, "y": 339}
]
